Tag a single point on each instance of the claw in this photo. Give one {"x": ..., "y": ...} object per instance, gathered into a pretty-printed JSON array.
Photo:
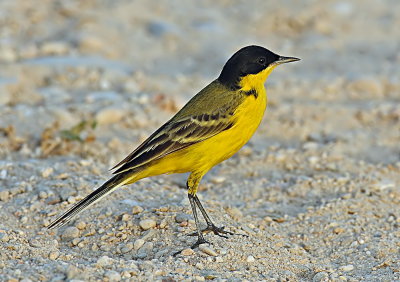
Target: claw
[
  {"x": 199, "y": 241},
  {"x": 216, "y": 230}
]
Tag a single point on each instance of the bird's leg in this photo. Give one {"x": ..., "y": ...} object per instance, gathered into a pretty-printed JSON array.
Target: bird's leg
[
  {"x": 200, "y": 237},
  {"x": 210, "y": 225}
]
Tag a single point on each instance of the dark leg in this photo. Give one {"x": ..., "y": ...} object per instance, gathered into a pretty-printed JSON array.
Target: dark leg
[
  {"x": 210, "y": 225},
  {"x": 200, "y": 238}
]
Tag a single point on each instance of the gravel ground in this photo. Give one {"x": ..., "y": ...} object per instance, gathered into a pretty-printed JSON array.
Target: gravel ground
[{"x": 316, "y": 191}]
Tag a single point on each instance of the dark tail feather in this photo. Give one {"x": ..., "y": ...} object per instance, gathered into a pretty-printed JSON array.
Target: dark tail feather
[{"x": 108, "y": 187}]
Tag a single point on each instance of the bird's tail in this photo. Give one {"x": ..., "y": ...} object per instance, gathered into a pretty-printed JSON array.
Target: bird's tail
[{"x": 105, "y": 189}]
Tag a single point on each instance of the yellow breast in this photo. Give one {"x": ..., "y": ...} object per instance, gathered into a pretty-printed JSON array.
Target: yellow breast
[
  {"x": 208, "y": 153},
  {"x": 212, "y": 151}
]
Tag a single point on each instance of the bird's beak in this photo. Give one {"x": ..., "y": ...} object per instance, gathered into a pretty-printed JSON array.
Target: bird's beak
[{"x": 283, "y": 60}]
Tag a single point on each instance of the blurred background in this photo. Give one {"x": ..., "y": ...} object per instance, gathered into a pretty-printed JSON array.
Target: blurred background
[
  {"x": 126, "y": 66},
  {"x": 82, "y": 83}
]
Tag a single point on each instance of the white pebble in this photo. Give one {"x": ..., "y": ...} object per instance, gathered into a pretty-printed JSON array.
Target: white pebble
[
  {"x": 250, "y": 259},
  {"x": 110, "y": 115},
  {"x": 208, "y": 250},
  {"x": 47, "y": 172},
  {"x": 147, "y": 224},
  {"x": 137, "y": 209},
  {"x": 138, "y": 244},
  {"x": 346, "y": 268}
]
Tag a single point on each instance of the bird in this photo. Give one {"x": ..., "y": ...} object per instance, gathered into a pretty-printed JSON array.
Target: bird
[{"x": 209, "y": 129}]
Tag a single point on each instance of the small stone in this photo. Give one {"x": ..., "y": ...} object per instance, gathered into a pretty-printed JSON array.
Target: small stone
[
  {"x": 199, "y": 265},
  {"x": 72, "y": 272},
  {"x": 70, "y": 233},
  {"x": 313, "y": 160},
  {"x": 43, "y": 195},
  {"x": 4, "y": 237},
  {"x": 90, "y": 44},
  {"x": 126, "y": 248},
  {"x": 346, "y": 268},
  {"x": 76, "y": 241},
  {"x": 138, "y": 244},
  {"x": 110, "y": 115},
  {"x": 104, "y": 261},
  {"x": 8, "y": 54},
  {"x": 187, "y": 252},
  {"x": 3, "y": 172},
  {"x": 81, "y": 225},
  {"x": 250, "y": 259},
  {"x": 207, "y": 250},
  {"x": 137, "y": 209},
  {"x": 321, "y": 277},
  {"x": 182, "y": 217},
  {"x": 126, "y": 217},
  {"x": 54, "y": 48},
  {"x": 54, "y": 255},
  {"x": 163, "y": 224},
  {"x": 4, "y": 196},
  {"x": 219, "y": 259},
  {"x": 218, "y": 179},
  {"x": 113, "y": 275},
  {"x": 338, "y": 230},
  {"x": 147, "y": 224},
  {"x": 47, "y": 172}
]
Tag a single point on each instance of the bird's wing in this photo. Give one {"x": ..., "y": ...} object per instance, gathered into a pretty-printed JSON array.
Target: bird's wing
[{"x": 176, "y": 135}]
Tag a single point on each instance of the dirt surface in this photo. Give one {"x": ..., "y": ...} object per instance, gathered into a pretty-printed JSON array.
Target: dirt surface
[{"x": 316, "y": 191}]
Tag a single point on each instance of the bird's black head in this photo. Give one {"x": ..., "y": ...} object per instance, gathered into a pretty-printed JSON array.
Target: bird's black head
[{"x": 249, "y": 60}]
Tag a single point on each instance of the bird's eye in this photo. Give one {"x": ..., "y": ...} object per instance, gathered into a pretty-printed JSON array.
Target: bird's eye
[{"x": 261, "y": 61}]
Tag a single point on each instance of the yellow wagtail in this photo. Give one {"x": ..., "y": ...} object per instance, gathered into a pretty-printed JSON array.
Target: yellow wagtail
[{"x": 209, "y": 129}]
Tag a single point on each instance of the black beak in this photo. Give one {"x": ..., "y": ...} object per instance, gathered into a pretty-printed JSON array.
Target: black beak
[{"x": 283, "y": 60}]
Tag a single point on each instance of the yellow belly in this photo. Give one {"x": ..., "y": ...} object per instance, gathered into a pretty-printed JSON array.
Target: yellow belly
[{"x": 203, "y": 156}]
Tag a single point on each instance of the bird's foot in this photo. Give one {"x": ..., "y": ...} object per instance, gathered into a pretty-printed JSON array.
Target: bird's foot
[
  {"x": 219, "y": 231},
  {"x": 199, "y": 241}
]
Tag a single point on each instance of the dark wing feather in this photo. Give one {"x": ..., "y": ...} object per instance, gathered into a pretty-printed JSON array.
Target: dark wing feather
[{"x": 174, "y": 136}]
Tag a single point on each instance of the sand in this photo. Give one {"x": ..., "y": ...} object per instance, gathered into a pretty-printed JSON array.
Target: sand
[{"x": 314, "y": 196}]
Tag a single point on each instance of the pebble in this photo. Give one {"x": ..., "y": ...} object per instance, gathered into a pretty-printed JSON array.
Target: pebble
[
  {"x": 187, "y": 252},
  {"x": 182, "y": 217},
  {"x": 137, "y": 209},
  {"x": 126, "y": 217},
  {"x": 54, "y": 48},
  {"x": 250, "y": 259},
  {"x": 104, "y": 261},
  {"x": 70, "y": 233},
  {"x": 126, "y": 248},
  {"x": 81, "y": 225},
  {"x": 321, "y": 277},
  {"x": 3, "y": 172},
  {"x": 138, "y": 244},
  {"x": 47, "y": 172},
  {"x": 146, "y": 224},
  {"x": 4, "y": 237},
  {"x": 113, "y": 275},
  {"x": 90, "y": 44},
  {"x": 4, "y": 196},
  {"x": 110, "y": 115},
  {"x": 72, "y": 272},
  {"x": 207, "y": 250},
  {"x": 54, "y": 255},
  {"x": 218, "y": 179},
  {"x": 347, "y": 268},
  {"x": 8, "y": 54}
]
